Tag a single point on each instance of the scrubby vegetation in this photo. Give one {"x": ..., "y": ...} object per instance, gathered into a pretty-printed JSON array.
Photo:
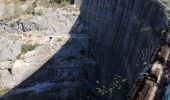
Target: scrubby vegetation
[
  {"x": 59, "y": 39},
  {"x": 26, "y": 48},
  {"x": 59, "y": 1},
  {"x": 3, "y": 91},
  {"x": 47, "y": 3},
  {"x": 30, "y": 10},
  {"x": 118, "y": 86},
  {"x": 14, "y": 12}
]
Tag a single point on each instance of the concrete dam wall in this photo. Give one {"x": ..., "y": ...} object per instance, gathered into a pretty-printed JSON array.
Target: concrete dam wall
[
  {"x": 110, "y": 37},
  {"x": 123, "y": 34}
]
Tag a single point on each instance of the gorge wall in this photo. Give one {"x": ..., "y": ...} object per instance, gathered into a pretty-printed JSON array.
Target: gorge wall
[{"x": 123, "y": 34}]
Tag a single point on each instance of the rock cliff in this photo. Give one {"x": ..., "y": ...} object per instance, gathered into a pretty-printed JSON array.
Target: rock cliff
[{"x": 44, "y": 57}]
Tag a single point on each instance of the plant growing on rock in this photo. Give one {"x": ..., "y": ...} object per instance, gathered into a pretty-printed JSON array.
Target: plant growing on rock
[
  {"x": 26, "y": 48},
  {"x": 31, "y": 8},
  {"x": 118, "y": 85},
  {"x": 17, "y": 9},
  {"x": 48, "y": 3},
  {"x": 3, "y": 91},
  {"x": 59, "y": 1},
  {"x": 59, "y": 39}
]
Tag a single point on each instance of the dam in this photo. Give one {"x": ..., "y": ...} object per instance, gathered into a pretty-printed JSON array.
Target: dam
[{"x": 106, "y": 39}]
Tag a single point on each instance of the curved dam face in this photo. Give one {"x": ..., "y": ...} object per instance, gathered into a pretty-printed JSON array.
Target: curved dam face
[
  {"x": 121, "y": 37},
  {"x": 123, "y": 34}
]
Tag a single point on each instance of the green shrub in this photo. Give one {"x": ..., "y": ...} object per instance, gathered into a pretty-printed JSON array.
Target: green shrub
[
  {"x": 59, "y": 1},
  {"x": 118, "y": 86},
  {"x": 59, "y": 39},
  {"x": 48, "y": 3},
  {"x": 31, "y": 8},
  {"x": 3, "y": 91},
  {"x": 26, "y": 48}
]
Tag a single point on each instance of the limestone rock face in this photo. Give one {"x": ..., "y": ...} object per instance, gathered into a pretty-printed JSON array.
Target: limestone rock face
[
  {"x": 44, "y": 57},
  {"x": 59, "y": 22},
  {"x": 77, "y": 2}
]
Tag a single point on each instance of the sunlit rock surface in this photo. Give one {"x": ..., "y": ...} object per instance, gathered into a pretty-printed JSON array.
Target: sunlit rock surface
[{"x": 44, "y": 57}]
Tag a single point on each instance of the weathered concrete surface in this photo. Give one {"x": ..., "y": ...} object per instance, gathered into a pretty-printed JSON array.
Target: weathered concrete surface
[{"x": 123, "y": 34}]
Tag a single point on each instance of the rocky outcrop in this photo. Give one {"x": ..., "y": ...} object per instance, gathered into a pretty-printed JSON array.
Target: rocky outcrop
[
  {"x": 47, "y": 61},
  {"x": 59, "y": 22},
  {"x": 166, "y": 4}
]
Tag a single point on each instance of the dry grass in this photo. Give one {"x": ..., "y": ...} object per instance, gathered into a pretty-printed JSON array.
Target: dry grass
[{"x": 9, "y": 12}]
